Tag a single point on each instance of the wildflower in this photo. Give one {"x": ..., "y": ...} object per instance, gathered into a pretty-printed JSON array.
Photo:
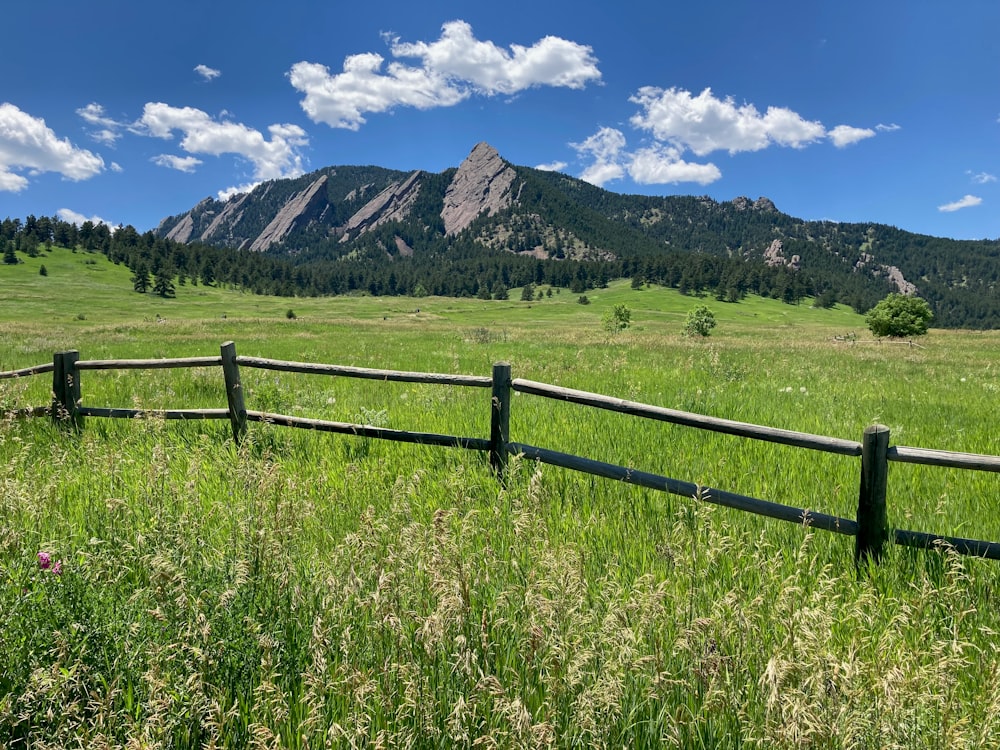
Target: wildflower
[
  {"x": 44, "y": 560},
  {"x": 57, "y": 567}
]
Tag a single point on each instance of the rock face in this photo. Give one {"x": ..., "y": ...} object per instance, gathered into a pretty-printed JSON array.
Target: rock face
[
  {"x": 775, "y": 256},
  {"x": 183, "y": 230},
  {"x": 285, "y": 219},
  {"x": 483, "y": 183},
  {"x": 392, "y": 204}
]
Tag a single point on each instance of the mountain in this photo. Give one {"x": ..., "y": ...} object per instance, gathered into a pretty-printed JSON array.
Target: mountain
[{"x": 368, "y": 217}]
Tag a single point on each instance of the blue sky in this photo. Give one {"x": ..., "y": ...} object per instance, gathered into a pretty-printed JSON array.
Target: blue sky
[{"x": 888, "y": 112}]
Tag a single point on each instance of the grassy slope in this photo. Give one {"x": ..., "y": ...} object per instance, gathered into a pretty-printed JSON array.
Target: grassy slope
[{"x": 328, "y": 587}]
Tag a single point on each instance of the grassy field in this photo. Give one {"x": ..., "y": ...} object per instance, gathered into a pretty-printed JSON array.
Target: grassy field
[{"x": 307, "y": 590}]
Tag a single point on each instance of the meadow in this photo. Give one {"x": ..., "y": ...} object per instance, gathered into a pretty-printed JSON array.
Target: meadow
[{"x": 309, "y": 590}]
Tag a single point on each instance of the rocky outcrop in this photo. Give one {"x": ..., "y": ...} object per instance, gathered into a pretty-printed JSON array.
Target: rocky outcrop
[
  {"x": 775, "y": 256},
  {"x": 392, "y": 204},
  {"x": 483, "y": 184},
  {"x": 182, "y": 230},
  {"x": 227, "y": 218},
  {"x": 284, "y": 221},
  {"x": 897, "y": 278},
  {"x": 742, "y": 203}
]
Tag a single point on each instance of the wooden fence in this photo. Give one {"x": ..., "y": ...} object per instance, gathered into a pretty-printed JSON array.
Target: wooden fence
[{"x": 870, "y": 528}]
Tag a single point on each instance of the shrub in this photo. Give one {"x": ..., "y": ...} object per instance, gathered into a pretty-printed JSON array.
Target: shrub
[
  {"x": 617, "y": 319},
  {"x": 899, "y": 316},
  {"x": 290, "y": 314},
  {"x": 700, "y": 322},
  {"x": 582, "y": 299}
]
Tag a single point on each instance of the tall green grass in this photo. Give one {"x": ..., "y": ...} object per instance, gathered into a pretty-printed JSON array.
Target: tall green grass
[{"x": 309, "y": 590}]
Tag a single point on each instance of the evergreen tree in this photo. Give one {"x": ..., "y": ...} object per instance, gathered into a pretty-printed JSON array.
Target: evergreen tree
[
  {"x": 140, "y": 279},
  {"x": 9, "y": 255},
  {"x": 163, "y": 284}
]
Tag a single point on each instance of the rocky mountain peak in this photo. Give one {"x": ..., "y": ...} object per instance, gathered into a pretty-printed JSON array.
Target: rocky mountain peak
[{"x": 483, "y": 183}]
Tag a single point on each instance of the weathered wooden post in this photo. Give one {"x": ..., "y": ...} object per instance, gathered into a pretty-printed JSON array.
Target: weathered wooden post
[
  {"x": 872, "y": 526},
  {"x": 234, "y": 391},
  {"x": 500, "y": 417},
  {"x": 66, "y": 390}
]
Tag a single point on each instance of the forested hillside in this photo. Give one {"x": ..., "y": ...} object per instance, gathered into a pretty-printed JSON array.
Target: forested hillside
[{"x": 370, "y": 230}]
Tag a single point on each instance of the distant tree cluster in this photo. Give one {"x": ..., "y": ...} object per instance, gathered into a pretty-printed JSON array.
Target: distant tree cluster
[{"x": 711, "y": 263}]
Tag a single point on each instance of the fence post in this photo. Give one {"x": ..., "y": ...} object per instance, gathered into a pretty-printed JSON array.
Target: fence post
[
  {"x": 234, "y": 391},
  {"x": 872, "y": 526},
  {"x": 500, "y": 417},
  {"x": 66, "y": 390}
]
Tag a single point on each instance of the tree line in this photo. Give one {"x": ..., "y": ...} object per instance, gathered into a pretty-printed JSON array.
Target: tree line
[{"x": 459, "y": 266}]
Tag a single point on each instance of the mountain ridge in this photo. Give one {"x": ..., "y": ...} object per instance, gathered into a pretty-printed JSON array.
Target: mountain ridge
[{"x": 380, "y": 214}]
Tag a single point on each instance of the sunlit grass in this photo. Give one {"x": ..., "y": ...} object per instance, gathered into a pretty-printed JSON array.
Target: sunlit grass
[{"x": 312, "y": 590}]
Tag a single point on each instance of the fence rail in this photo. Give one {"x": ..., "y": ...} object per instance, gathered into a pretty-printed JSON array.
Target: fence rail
[{"x": 870, "y": 529}]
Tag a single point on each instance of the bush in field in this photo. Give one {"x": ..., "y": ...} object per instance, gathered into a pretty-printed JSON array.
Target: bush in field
[
  {"x": 899, "y": 316},
  {"x": 617, "y": 319},
  {"x": 699, "y": 322}
]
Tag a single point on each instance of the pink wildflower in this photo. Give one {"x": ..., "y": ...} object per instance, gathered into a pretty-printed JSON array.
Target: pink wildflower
[
  {"x": 57, "y": 567},
  {"x": 44, "y": 560}
]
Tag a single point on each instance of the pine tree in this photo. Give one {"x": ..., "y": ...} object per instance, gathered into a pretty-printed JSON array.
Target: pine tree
[
  {"x": 163, "y": 284},
  {"x": 141, "y": 280}
]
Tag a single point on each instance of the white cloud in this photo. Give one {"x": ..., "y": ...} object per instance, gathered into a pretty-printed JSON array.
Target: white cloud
[
  {"x": 663, "y": 164},
  {"x": 982, "y": 178},
  {"x": 180, "y": 163},
  {"x": 229, "y": 192},
  {"x": 845, "y": 135},
  {"x": 108, "y": 130},
  {"x": 555, "y": 166},
  {"x": 26, "y": 142},
  {"x": 705, "y": 123},
  {"x": 201, "y": 134},
  {"x": 606, "y": 148},
  {"x": 206, "y": 72},
  {"x": 74, "y": 217},
  {"x": 459, "y": 56},
  {"x": 887, "y": 128},
  {"x": 966, "y": 202},
  {"x": 452, "y": 69}
]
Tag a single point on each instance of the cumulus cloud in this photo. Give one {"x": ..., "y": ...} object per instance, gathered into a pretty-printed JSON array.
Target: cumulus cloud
[
  {"x": 676, "y": 122},
  {"x": 74, "y": 217},
  {"x": 656, "y": 164},
  {"x": 659, "y": 165},
  {"x": 605, "y": 148},
  {"x": 451, "y": 69},
  {"x": 554, "y": 166},
  {"x": 27, "y": 143},
  {"x": 180, "y": 163},
  {"x": 206, "y": 72},
  {"x": 705, "y": 123},
  {"x": 965, "y": 202},
  {"x": 272, "y": 158},
  {"x": 845, "y": 135}
]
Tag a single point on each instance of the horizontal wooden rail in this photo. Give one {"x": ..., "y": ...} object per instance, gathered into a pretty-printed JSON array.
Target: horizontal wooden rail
[
  {"x": 147, "y": 364},
  {"x": 26, "y": 371},
  {"x": 971, "y": 547},
  {"x": 687, "y": 489},
  {"x": 475, "y": 381},
  {"x": 360, "y": 430},
  {"x": 870, "y": 530},
  {"x": 712, "y": 424},
  {"x": 26, "y": 412},
  {"x": 115, "y": 413},
  {"x": 930, "y": 457}
]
